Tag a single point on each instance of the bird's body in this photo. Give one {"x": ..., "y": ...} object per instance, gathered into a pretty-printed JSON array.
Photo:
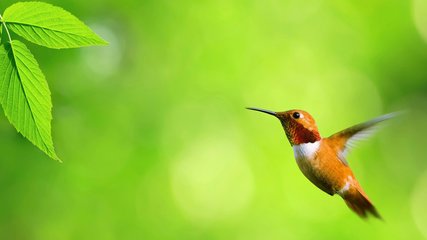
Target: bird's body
[
  {"x": 321, "y": 166},
  {"x": 323, "y": 160},
  {"x": 319, "y": 162}
]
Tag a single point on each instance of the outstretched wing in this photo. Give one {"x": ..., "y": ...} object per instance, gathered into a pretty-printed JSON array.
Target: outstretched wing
[{"x": 346, "y": 139}]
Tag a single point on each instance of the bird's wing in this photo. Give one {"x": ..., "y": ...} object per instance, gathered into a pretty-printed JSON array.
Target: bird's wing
[{"x": 346, "y": 139}]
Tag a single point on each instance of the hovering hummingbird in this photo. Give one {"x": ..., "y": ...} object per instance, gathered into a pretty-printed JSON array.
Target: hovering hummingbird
[{"x": 323, "y": 160}]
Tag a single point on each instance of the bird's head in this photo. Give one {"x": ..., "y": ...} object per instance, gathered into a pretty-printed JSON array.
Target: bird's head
[{"x": 299, "y": 125}]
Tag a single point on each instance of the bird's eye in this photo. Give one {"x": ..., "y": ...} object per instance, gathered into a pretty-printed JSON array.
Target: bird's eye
[{"x": 296, "y": 115}]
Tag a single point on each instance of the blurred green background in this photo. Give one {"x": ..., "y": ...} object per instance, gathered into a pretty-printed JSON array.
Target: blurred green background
[{"x": 156, "y": 142}]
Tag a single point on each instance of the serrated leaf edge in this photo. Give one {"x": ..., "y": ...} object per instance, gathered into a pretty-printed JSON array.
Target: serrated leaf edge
[{"x": 50, "y": 152}]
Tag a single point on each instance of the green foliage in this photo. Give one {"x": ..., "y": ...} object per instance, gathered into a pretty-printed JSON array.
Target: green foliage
[
  {"x": 49, "y": 26},
  {"x": 24, "y": 92},
  {"x": 25, "y": 95}
]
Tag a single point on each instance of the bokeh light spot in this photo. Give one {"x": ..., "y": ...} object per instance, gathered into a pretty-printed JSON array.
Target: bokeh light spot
[
  {"x": 211, "y": 180},
  {"x": 419, "y": 206},
  {"x": 104, "y": 61},
  {"x": 420, "y": 13}
]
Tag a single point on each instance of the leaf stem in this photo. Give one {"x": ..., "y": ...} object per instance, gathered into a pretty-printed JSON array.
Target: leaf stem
[{"x": 5, "y": 27}]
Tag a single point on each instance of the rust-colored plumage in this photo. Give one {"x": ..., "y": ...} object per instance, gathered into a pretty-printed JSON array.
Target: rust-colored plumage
[{"x": 323, "y": 160}]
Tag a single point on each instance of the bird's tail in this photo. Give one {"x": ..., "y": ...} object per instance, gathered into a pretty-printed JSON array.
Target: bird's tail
[{"x": 357, "y": 201}]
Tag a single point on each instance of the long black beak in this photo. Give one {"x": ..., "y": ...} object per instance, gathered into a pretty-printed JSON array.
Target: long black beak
[{"x": 263, "y": 110}]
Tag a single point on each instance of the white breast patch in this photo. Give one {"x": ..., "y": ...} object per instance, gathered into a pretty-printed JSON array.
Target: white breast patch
[{"x": 306, "y": 150}]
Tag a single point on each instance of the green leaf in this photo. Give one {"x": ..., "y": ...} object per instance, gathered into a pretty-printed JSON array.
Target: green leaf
[
  {"x": 25, "y": 95},
  {"x": 49, "y": 26}
]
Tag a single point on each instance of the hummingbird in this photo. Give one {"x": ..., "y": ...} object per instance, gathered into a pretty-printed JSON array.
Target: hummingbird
[{"x": 323, "y": 160}]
